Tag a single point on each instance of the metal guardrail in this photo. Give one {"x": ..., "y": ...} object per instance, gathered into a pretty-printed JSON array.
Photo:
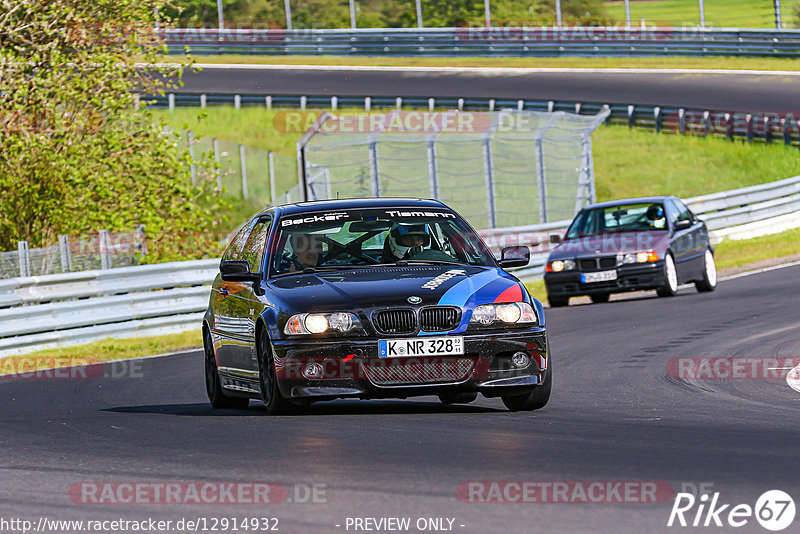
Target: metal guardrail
[
  {"x": 62, "y": 309},
  {"x": 494, "y": 41},
  {"x": 766, "y": 127}
]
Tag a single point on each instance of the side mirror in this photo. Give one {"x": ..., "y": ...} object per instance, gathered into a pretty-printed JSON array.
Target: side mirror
[
  {"x": 682, "y": 224},
  {"x": 518, "y": 256},
  {"x": 237, "y": 271},
  {"x": 555, "y": 239}
]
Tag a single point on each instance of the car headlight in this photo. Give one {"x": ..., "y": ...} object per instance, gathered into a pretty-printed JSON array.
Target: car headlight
[
  {"x": 318, "y": 323},
  {"x": 647, "y": 256},
  {"x": 507, "y": 313},
  {"x": 560, "y": 265}
]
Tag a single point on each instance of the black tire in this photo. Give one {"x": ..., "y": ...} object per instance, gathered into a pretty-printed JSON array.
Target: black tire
[
  {"x": 216, "y": 397},
  {"x": 557, "y": 302},
  {"x": 709, "y": 280},
  {"x": 268, "y": 382},
  {"x": 457, "y": 398},
  {"x": 536, "y": 399},
  {"x": 600, "y": 298},
  {"x": 670, "y": 287}
]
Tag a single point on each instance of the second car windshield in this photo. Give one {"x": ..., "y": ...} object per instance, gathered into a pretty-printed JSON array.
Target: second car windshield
[
  {"x": 625, "y": 218},
  {"x": 372, "y": 237}
]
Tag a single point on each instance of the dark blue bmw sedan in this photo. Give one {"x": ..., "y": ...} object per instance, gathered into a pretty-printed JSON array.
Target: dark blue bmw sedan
[{"x": 371, "y": 298}]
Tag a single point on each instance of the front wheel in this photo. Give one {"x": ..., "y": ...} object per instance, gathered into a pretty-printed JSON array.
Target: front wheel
[
  {"x": 534, "y": 400},
  {"x": 557, "y": 302},
  {"x": 709, "y": 280},
  {"x": 670, "y": 286},
  {"x": 213, "y": 385},
  {"x": 268, "y": 382}
]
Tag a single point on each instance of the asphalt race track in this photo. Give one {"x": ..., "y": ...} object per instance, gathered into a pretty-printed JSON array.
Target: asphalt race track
[
  {"x": 615, "y": 415},
  {"x": 715, "y": 91}
]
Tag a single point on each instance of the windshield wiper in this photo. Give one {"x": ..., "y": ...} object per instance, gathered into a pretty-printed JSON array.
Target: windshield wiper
[
  {"x": 321, "y": 268},
  {"x": 429, "y": 262}
]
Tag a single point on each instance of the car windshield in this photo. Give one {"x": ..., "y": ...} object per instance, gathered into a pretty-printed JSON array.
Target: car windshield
[
  {"x": 363, "y": 237},
  {"x": 624, "y": 218}
]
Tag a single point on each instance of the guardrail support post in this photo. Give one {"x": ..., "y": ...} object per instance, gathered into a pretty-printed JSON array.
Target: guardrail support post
[
  {"x": 303, "y": 100},
  {"x": 729, "y": 126},
  {"x": 272, "y": 196},
  {"x": 243, "y": 168},
  {"x": 268, "y": 101},
  {"x": 682, "y": 121},
  {"x": 105, "y": 253},
  {"x": 203, "y": 101},
  {"x": 488, "y": 170},
  {"x": 433, "y": 176},
  {"x": 24, "y": 259},
  {"x": 767, "y": 130},
  {"x": 237, "y": 101},
  {"x": 460, "y": 104},
  {"x": 491, "y": 104},
  {"x": 749, "y": 122},
  {"x": 657, "y": 119},
  {"x": 374, "y": 176},
  {"x": 367, "y": 103},
  {"x": 631, "y": 117},
  {"x": 787, "y": 136},
  {"x": 334, "y": 103},
  {"x": 171, "y": 100},
  {"x": 66, "y": 258},
  {"x": 431, "y": 104},
  {"x": 398, "y": 103},
  {"x": 706, "y": 123}
]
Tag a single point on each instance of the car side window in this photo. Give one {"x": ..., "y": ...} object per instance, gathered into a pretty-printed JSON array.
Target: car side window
[
  {"x": 234, "y": 250},
  {"x": 684, "y": 213},
  {"x": 254, "y": 248},
  {"x": 672, "y": 211}
]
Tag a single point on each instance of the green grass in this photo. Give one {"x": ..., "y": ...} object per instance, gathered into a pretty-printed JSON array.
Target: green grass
[
  {"x": 98, "y": 352},
  {"x": 735, "y": 63},
  {"x": 719, "y": 13},
  {"x": 744, "y": 253}
]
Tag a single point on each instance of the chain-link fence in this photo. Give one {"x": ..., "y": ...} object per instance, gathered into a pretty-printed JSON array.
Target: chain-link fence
[
  {"x": 498, "y": 169},
  {"x": 103, "y": 250},
  {"x": 242, "y": 171}
]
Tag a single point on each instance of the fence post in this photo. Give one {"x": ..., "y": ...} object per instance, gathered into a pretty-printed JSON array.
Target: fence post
[
  {"x": 271, "y": 158},
  {"x": 243, "y": 167},
  {"x": 66, "y": 257},
  {"x": 105, "y": 256},
  {"x": 193, "y": 166},
  {"x": 787, "y": 136},
  {"x": 488, "y": 171},
  {"x": 767, "y": 129},
  {"x": 24, "y": 259},
  {"x": 374, "y": 176},
  {"x": 218, "y": 169},
  {"x": 433, "y": 176},
  {"x": 540, "y": 183}
]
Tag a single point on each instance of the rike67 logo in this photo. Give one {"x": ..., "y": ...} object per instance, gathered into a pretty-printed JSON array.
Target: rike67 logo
[{"x": 774, "y": 510}]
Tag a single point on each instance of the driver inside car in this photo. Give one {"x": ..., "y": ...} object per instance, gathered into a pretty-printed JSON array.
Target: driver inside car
[
  {"x": 655, "y": 216},
  {"x": 307, "y": 250},
  {"x": 404, "y": 241}
]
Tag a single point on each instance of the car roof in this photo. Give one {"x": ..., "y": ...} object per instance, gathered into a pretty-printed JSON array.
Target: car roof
[
  {"x": 351, "y": 203},
  {"x": 637, "y": 200}
]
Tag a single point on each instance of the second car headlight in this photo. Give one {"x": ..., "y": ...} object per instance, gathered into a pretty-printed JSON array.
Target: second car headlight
[
  {"x": 318, "y": 323},
  {"x": 647, "y": 256},
  {"x": 507, "y": 313},
  {"x": 560, "y": 265}
]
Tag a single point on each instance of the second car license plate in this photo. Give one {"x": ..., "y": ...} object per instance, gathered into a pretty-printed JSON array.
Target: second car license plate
[
  {"x": 420, "y": 346},
  {"x": 602, "y": 276}
]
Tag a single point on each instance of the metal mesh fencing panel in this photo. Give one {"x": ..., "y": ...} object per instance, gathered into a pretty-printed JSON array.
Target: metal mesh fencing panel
[{"x": 506, "y": 168}]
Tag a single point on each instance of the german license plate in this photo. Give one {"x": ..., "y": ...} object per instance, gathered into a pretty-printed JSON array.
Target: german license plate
[
  {"x": 420, "y": 346},
  {"x": 602, "y": 276}
]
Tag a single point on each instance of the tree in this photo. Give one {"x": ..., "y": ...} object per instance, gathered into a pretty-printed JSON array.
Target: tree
[{"x": 75, "y": 154}]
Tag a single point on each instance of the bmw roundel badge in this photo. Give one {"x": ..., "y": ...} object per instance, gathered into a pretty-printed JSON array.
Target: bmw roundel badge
[{"x": 414, "y": 300}]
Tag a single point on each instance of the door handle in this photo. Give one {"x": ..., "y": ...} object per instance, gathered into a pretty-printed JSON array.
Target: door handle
[{"x": 223, "y": 292}]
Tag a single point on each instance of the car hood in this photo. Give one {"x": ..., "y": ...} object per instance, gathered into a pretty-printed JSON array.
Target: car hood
[
  {"x": 611, "y": 244},
  {"x": 366, "y": 288}
]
